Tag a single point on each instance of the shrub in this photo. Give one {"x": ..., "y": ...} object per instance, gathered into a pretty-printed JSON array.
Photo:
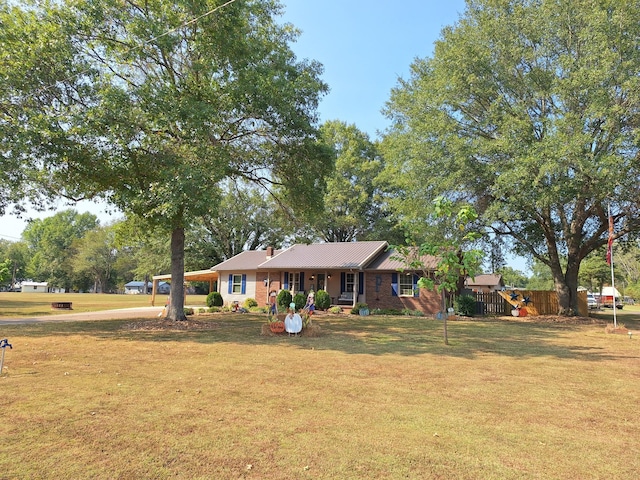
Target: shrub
[
  {"x": 214, "y": 309},
  {"x": 412, "y": 313},
  {"x": 250, "y": 303},
  {"x": 335, "y": 310},
  {"x": 201, "y": 310},
  {"x": 359, "y": 306},
  {"x": 323, "y": 300},
  {"x": 465, "y": 305},
  {"x": 300, "y": 300},
  {"x": 214, "y": 299},
  {"x": 257, "y": 309},
  {"x": 188, "y": 311},
  {"x": 284, "y": 299}
]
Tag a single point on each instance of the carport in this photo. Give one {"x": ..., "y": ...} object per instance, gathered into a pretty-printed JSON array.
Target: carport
[{"x": 210, "y": 276}]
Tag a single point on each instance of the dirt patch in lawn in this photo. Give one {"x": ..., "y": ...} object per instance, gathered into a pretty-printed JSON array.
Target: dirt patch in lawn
[{"x": 164, "y": 324}]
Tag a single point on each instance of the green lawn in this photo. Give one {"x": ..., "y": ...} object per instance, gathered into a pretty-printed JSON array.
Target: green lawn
[{"x": 372, "y": 397}]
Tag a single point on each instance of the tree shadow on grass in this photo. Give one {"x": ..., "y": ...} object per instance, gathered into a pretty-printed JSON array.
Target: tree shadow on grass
[{"x": 372, "y": 335}]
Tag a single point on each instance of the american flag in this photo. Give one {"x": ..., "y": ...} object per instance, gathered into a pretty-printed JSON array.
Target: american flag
[{"x": 610, "y": 242}]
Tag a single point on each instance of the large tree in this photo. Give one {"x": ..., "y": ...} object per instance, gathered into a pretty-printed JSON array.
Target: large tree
[
  {"x": 51, "y": 245},
  {"x": 354, "y": 208},
  {"x": 531, "y": 110},
  {"x": 153, "y": 104},
  {"x": 95, "y": 258},
  {"x": 17, "y": 255}
]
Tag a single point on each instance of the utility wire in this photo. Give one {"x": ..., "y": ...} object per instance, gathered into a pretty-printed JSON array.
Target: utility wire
[
  {"x": 168, "y": 32},
  {"x": 10, "y": 237},
  {"x": 185, "y": 24}
]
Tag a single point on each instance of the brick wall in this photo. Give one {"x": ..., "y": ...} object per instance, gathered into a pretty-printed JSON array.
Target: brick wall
[
  {"x": 378, "y": 295},
  {"x": 262, "y": 291}
]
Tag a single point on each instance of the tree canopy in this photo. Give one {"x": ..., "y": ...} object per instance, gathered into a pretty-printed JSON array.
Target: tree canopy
[
  {"x": 245, "y": 218},
  {"x": 151, "y": 105},
  {"x": 530, "y": 110},
  {"x": 353, "y": 206},
  {"x": 51, "y": 244}
]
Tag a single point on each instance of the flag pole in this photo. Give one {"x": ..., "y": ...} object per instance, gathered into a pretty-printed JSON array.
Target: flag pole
[
  {"x": 610, "y": 259},
  {"x": 613, "y": 287}
]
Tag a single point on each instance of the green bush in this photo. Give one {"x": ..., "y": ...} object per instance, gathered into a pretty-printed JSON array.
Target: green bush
[
  {"x": 322, "y": 300},
  {"x": 213, "y": 309},
  {"x": 300, "y": 300},
  {"x": 250, "y": 303},
  {"x": 335, "y": 309},
  {"x": 359, "y": 306},
  {"x": 214, "y": 299},
  {"x": 465, "y": 305},
  {"x": 188, "y": 311},
  {"x": 284, "y": 299}
]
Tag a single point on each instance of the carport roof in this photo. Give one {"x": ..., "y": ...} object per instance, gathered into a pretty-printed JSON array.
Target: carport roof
[{"x": 196, "y": 276}]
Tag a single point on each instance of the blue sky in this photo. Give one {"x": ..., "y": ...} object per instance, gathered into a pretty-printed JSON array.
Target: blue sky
[{"x": 365, "y": 47}]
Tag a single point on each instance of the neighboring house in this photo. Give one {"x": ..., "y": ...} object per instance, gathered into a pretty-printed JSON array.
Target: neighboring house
[
  {"x": 351, "y": 272},
  {"x": 35, "y": 287},
  {"x": 136, "y": 288},
  {"x": 485, "y": 283}
]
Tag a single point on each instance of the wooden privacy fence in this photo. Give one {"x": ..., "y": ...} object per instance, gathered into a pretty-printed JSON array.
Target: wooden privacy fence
[{"x": 545, "y": 302}]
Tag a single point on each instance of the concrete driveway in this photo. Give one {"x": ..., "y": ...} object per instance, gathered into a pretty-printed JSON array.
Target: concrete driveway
[{"x": 119, "y": 314}]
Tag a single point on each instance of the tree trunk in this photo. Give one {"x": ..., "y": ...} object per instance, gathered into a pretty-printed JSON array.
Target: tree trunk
[
  {"x": 567, "y": 289},
  {"x": 175, "y": 310}
]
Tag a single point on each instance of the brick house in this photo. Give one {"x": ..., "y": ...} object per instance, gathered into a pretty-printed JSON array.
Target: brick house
[{"x": 350, "y": 272}]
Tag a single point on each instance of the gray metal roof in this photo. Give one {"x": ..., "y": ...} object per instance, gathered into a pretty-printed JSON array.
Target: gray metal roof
[
  {"x": 247, "y": 260},
  {"x": 344, "y": 255},
  {"x": 386, "y": 262},
  {"x": 371, "y": 255},
  {"x": 486, "y": 279}
]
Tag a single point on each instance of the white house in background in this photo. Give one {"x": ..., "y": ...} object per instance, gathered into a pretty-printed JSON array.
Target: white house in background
[
  {"x": 35, "y": 287},
  {"x": 136, "y": 288}
]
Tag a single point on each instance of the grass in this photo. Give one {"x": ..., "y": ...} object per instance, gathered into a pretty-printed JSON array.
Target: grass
[
  {"x": 16, "y": 304},
  {"x": 373, "y": 397}
]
